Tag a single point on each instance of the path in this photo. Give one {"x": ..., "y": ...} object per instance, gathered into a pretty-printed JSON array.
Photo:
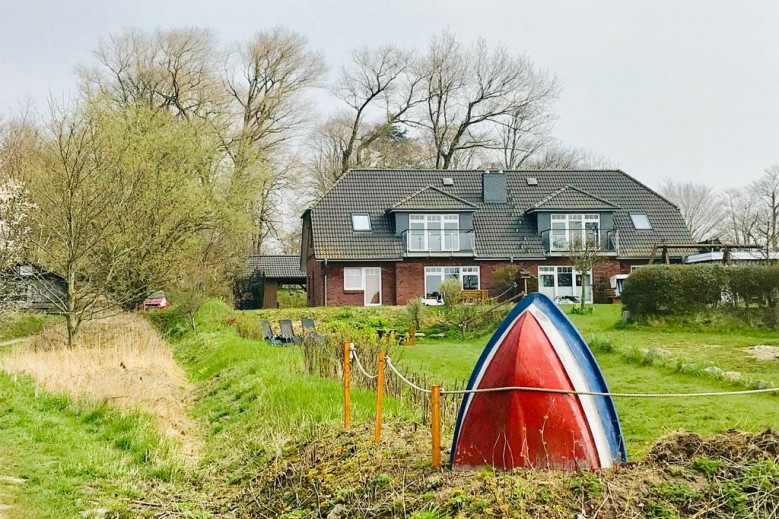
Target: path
[
  {"x": 7, "y": 481},
  {"x": 14, "y": 341}
]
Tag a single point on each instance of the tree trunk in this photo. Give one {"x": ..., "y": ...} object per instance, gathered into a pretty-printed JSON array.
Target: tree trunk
[
  {"x": 584, "y": 284},
  {"x": 70, "y": 311}
]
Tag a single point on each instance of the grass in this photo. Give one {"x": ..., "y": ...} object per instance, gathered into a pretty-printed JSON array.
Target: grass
[
  {"x": 24, "y": 324},
  {"x": 643, "y": 420},
  {"x": 75, "y": 457},
  {"x": 253, "y": 397},
  {"x": 121, "y": 361}
]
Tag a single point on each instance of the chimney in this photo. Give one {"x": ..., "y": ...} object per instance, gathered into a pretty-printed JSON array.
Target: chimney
[{"x": 493, "y": 187}]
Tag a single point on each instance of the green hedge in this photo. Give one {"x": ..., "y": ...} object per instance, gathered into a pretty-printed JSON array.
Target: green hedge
[{"x": 684, "y": 289}]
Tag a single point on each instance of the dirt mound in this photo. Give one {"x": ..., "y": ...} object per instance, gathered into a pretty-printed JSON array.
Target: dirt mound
[
  {"x": 735, "y": 446},
  {"x": 343, "y": 474}
]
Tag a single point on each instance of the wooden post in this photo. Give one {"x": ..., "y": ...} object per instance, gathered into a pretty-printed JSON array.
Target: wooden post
[
  {"x": 379, "y": 397},
  {"x": 347, "y": 381},
  {"x": 435, "y": 419}
]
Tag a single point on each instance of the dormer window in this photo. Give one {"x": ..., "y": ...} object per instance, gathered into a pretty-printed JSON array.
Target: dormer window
[
  {"x": 641, "y": 221},
  {"x": 361, "y": 222}
]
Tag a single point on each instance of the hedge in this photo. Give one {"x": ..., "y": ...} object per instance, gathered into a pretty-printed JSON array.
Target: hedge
[{"x": 684, "y": 289}]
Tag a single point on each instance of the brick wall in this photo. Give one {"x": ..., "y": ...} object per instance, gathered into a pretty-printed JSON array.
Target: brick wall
[{"x": 405, "y": 280}]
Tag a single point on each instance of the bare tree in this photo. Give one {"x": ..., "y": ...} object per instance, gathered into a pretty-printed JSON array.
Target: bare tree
[
  {"x": 472, "y": 93},
  {"x": 554, "y": 155},
  {"x": 376, "y": 79},
  {"x": 585, "y": 253},
  {"x": 766, "y": 191},
  {"x": 741, "y": 217},
  {"x": 700, "y": 205},
  {"x": 172, "y": 69},
  {"x": 266, "y": 79}
]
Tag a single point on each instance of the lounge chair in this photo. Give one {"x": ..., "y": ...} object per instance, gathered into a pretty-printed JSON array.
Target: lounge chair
[
  {"x": 287, "y": 333},
  {"x": 267, "y": 333},
  {"x": 309, "y": 331}
]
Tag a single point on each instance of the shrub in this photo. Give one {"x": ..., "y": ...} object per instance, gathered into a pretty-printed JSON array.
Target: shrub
[
  {"x": 415, "y": 312},
  {"x": 686, "y": 289},
  {"x": 451, "y": 292}
]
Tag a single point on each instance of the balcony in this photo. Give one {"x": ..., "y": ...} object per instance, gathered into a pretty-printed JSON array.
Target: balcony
[
  {"x": 560, "y": 242},
  {"x": 438, "y": 242}
]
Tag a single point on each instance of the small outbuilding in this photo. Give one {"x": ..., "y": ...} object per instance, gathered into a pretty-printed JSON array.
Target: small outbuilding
[{"x": 274, "y": 271}]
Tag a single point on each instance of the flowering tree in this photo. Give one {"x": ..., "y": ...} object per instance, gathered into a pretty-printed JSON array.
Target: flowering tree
[{"x": 13, "y": 234}]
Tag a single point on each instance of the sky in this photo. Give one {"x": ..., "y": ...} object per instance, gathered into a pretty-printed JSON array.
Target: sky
[{"x": 687, "y": 90}]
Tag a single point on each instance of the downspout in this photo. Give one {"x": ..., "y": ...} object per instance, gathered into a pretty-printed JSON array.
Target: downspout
[{"x": 324, "y": 283}]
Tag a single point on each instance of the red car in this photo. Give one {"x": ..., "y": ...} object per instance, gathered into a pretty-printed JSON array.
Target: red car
[{"x": 156, "y": 301}]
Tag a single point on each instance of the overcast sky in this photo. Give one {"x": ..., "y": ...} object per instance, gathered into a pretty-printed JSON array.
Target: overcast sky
[{"x": 664, "y": 88}]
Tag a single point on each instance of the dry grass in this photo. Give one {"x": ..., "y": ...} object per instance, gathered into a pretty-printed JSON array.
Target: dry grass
[{"x": 121, "y": 361}]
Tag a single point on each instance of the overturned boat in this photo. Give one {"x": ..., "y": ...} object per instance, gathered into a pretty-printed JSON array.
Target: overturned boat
[{"x": 537, "y": 346}]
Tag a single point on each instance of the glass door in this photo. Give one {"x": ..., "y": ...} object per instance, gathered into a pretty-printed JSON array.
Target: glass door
[{"x": 372, "y": 286}]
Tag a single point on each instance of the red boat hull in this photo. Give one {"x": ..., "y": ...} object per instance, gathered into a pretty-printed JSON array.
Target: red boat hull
[{"x": 523, "y": 429}]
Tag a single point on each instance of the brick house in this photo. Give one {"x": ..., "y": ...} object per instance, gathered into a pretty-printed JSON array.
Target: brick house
[{"x": 383, "y": 237}]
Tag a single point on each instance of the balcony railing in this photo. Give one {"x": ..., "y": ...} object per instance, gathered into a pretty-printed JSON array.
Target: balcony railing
[
  {"x": 438, "y": 241},
  {"x": 565, "y": 241}
]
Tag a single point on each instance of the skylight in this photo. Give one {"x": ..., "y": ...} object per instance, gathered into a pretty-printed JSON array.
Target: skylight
[
  {"x": 361, "y": 222},
  {"x": 448, "y": 181},
  {"x": 532, "y": 181},
  {"x": 641, "y": 221}
]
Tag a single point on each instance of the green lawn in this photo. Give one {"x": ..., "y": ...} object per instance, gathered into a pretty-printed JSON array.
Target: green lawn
[
  {"x": 643, "y": 420},
  {"x": 75, "y": 458}
]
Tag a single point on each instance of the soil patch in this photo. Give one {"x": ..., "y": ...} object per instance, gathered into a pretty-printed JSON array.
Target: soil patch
[{"x": 763, "y": 352}]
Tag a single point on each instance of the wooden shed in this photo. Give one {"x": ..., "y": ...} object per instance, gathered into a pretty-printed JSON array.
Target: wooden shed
[{"x": 276, "y": 270}]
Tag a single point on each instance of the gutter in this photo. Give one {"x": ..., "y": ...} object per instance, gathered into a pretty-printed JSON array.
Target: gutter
[{"x": 324, "y": 283}]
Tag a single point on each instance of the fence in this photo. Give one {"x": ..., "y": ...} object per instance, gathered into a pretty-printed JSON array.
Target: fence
[{"x": 433, "y": 395}]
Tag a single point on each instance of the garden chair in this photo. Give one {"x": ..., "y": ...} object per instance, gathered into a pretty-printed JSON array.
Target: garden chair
[
  {"x": 267, "y": 333},
  {"x": 287, "y": 333},
  {"x": 309, "y": 331}
]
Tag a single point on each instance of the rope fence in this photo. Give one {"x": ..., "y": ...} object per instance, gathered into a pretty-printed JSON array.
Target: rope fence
[{"x": 436, "y": 392}]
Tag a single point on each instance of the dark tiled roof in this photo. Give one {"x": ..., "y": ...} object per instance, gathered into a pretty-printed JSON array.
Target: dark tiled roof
[
  {"x": 572, "y": 198},
  {"x": 432, "y": 197},
  {"x": 281, "y": 266},
  {"x": 500, "y": 230}
]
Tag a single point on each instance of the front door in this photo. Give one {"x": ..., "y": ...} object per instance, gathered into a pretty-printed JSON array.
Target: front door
[{"x": 372, "y": 286}]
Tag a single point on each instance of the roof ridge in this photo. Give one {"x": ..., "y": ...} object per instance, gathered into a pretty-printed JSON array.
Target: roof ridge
[
  {"x": 431, "y": 186},
  {"x": 648, "y": 188},
  {"x": 554, "y": 194}
]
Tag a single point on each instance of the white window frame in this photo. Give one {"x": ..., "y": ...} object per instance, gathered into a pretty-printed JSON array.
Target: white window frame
[
  {"x": 642, "y": 228},
  {"x": 359, "y": 275},
  {"x": 468, "y": 270},
  {"x": 367, "y": 219},
  {"x": 364, "y": 284},
  {"x": 567, "y": 218},
  {"x": 634, "y": 268},
  {"x": 450, "y": 235},
  {"x": 554, "y": 271}
]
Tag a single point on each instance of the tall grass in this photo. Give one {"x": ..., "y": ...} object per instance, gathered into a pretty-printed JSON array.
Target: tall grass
[{"x": 121, "y": 362}]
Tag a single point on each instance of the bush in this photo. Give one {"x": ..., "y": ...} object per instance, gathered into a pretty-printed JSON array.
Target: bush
[
  {"x": 687, "y": 289},
  {"x": 451, "y": 292},
  {"x": 415, "y": 312}
]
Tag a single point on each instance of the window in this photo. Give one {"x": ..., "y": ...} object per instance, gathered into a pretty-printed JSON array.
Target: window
[
  {"x": 570, "y": 228},
  {"x": 634, "y": 268},
  {"x": 641, "y": 221},
  {"x": 433, "y": 232},
  {"x": 353, "y": 279},
  {"x": 564, "y": 282},
  {"x": 470, "y": 278},
  {"x": 361, "y": 221}
]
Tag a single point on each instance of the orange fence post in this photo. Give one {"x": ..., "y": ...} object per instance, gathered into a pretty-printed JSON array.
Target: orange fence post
[
  {"x": 347, "y": 381},
  {"x": 435, "y": 419},
  {"x": 379, "y": 397}
]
